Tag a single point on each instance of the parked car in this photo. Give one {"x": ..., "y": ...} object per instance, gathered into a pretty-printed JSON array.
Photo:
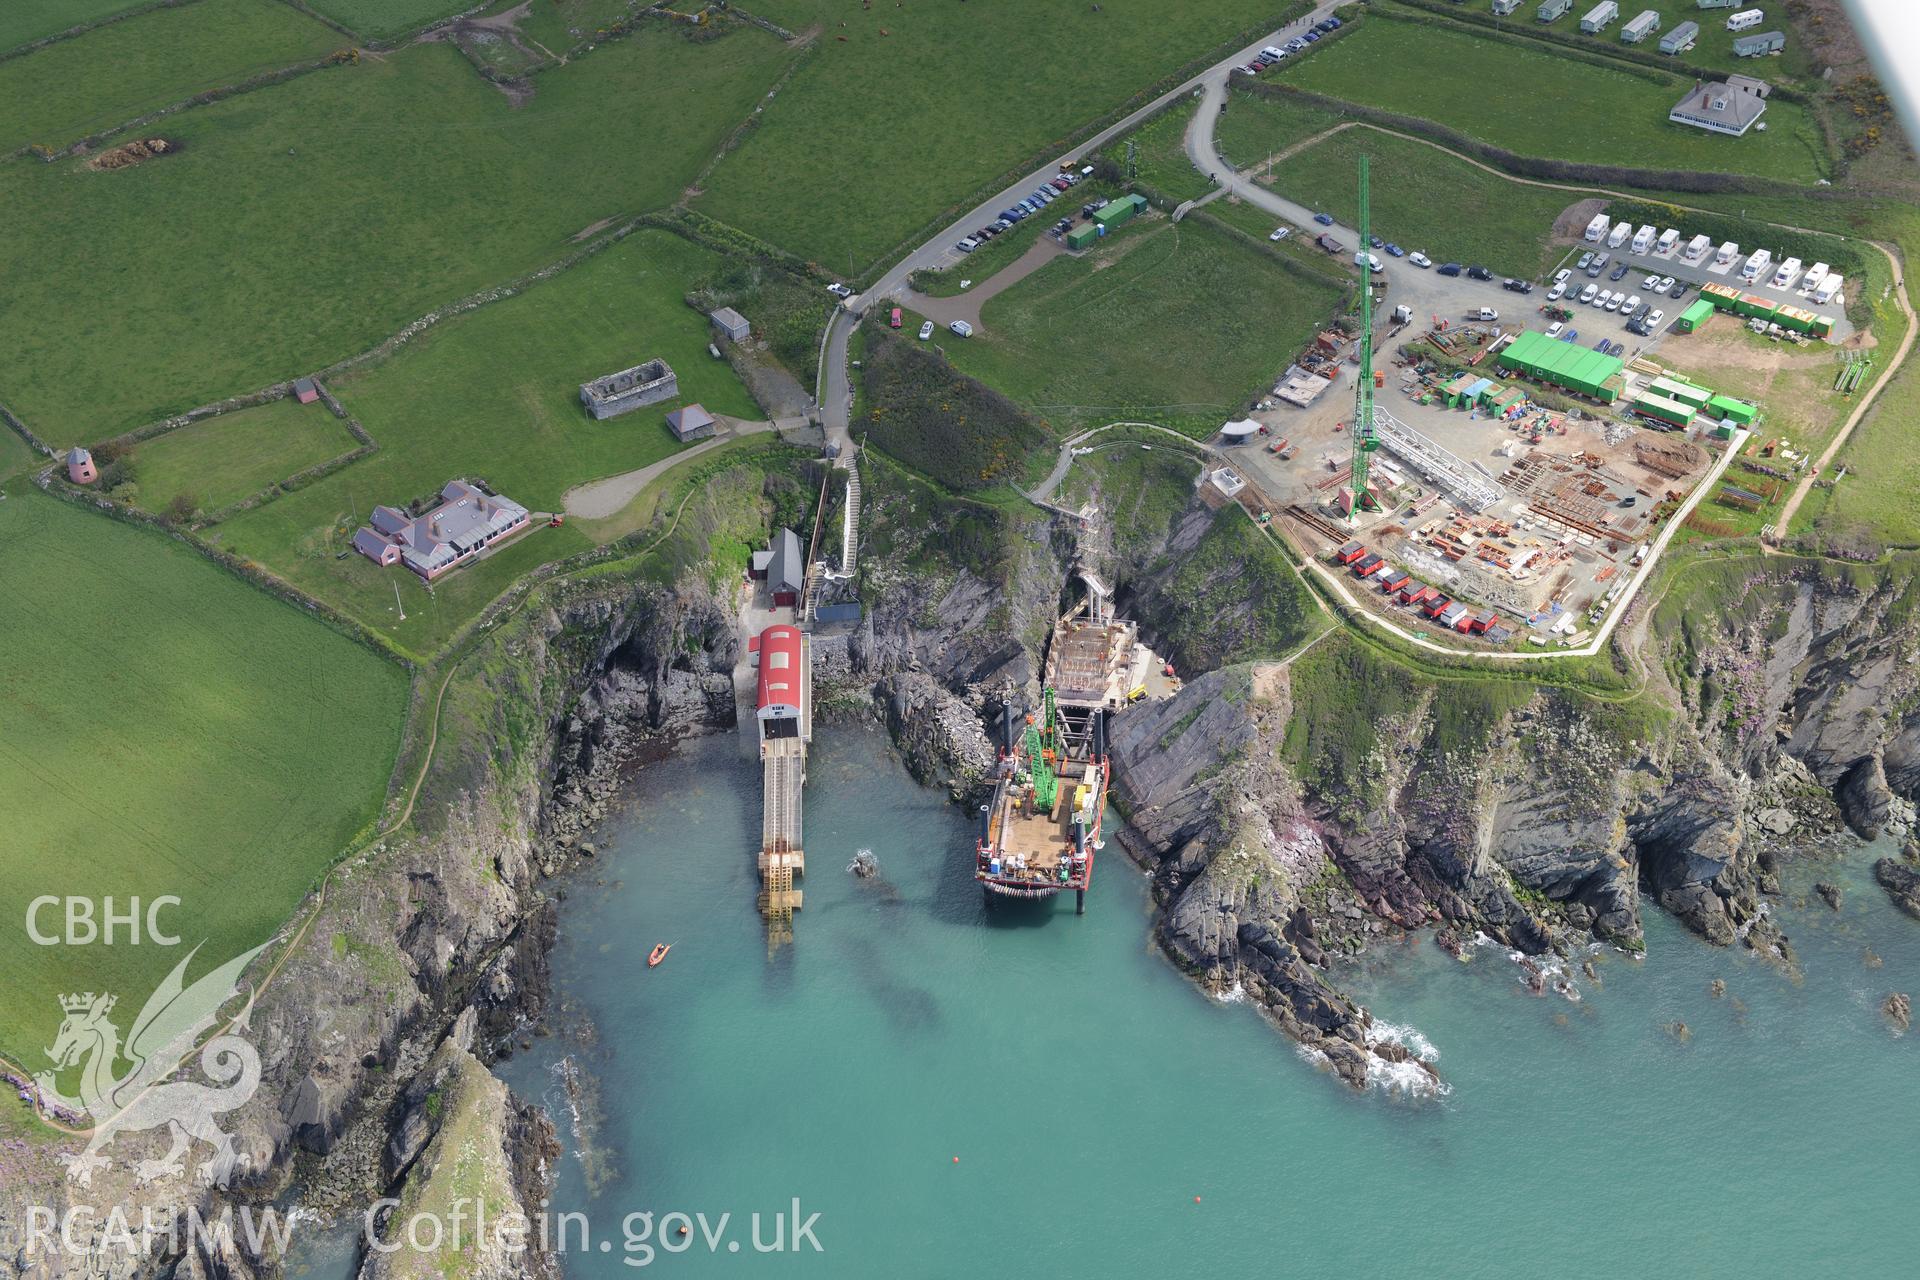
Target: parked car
[
  {"x": 1586, "y": 294},
  {"x": 926, "y": 330},
  {"x": 839, "y": 290},
  {"x": 1518, "y": 286},
  {"x": 1061, "y": 185},
  {"x": 1419, "y": 259},
  {"x": 1324, "y": 219},
  {"x": 1273, "y": 52},
  {"x": 1553, "y": 330},
  {"x": 1631, "y": 304},
  {"x": 968, "y": 245},
  {"x": 1376, "y": 242},
  {"x": 1666, "y": 283},
  {"x": 1312, "y": 37},
  {"x": 1585, "y": 258},
  {"x": 1619, "y": 272},
  {"x": 1479, "y": 273},
  {"x": 1603, "y": 298},
  {"x": 1396, "y": 250},
  {"x": 893, "y": 320},
  {"x": 1333, "y": 24},
  {"x": 1652, "y": 282},
  {"x": 962, "y": 328},
  {"x": 1615, "y": 303},
  {"x": 1483, "y": 313},
  {"x": 1252, "y": 68},
  {"x": 1654, "y": 318},
  {"x": 1679, "y": 290},
  {"x": 1560, "y": 276},
  {"x": 1570, "y": 335},
  {"x": 1556, "y": 293},
  {"x": 1280, "y": 233},
  {"x": 1450, "y": 269}
]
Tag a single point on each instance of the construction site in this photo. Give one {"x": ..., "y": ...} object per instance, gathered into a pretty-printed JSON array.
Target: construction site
[{"x": 1481, "y": 478}]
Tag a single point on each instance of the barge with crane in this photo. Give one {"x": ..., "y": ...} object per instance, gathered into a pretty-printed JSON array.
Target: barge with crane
[{"x": 1041, "y": 829}]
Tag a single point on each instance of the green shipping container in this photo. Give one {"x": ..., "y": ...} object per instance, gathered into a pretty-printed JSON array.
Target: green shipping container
[
  {"x": 1672, "y": 412},
  {"x": 1695, "y": 316},
  {"x": 1728, "y": 407},
  {"x": 1120, "y": 210},
  {"x": 1795, "y": 319},
  {"x": 1752, "y": 304},
  {"x": 1822, "y": 327},
  {"x": 1682, "y": 390},
  {"x": 1082, "y": 236}
]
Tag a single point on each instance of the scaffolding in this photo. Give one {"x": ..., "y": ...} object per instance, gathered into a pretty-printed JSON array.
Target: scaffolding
[{"x": 1462, "y": 483}]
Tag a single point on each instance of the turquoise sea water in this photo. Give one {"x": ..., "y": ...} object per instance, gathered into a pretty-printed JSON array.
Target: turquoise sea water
[{"x": 1091, "y": 1093}]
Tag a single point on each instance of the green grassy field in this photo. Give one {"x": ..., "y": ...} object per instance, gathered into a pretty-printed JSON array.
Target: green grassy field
[
  {"x": 1172, "y": 324},
  {"x": 110, "y": 76},
  {"x": 309, "y": 221},
  {"x": 1484, "y": 217},
  {"x": 219, "y": 461},
  {"x": 22, "y": 21},
  {"x": 1533, "y": 100},
  {"x": 165, "y": 729},
  {"x": 877, "y": 134},
  {"x": 495, "y": 395},
  {"x": 375, "y": 19},
  {"x": 1160, "y": 154},
  {"x": 559, "y": 25}
]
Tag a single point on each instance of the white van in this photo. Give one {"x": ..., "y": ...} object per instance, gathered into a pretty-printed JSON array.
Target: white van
[{"x": 1746, "y": 18}]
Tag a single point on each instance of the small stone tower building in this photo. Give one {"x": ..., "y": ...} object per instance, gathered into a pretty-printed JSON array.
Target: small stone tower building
[{"x": 80, "y": 468}]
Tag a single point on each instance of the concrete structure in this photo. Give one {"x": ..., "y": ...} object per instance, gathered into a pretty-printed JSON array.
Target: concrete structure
[
  {"x": 80, "y": 468},
  {"x": 1760, "y": 44},
  {"x": 305, "y": 391},
  {"x": 732, "y": 325},
  {"x": 466, "y": 522},
  {"x": 783, "y": 713},
  {"x": 691, "y": 422},
  {"x": 1641, "y": 27},
  {"x": 1729, "y": 107},
  {"x": 1681, "y": 38},
  {"x": 1599, "y": 17},
  {"x": 1553, "y": 10},
  {"x": 622, "y": 392}
]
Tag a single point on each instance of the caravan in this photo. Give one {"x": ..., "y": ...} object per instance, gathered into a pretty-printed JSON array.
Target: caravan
[
  {"x": 1643, "y": 239},
  {"x": 1697, "y": 248},
  {"x": 1669, "y": 240},
  {"x": 1597, "y": 229},
  {"x": 1621, "y": 230},
  {"x": 1788, "y": 273},
  {"x": 1728, "y": 252},
  {"x": 1758, "y": 263}
]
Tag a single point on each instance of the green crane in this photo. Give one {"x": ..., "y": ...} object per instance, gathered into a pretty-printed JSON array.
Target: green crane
[
  {"x": 1046, "y": 787},
  {"x": 1364, "y": 439}
]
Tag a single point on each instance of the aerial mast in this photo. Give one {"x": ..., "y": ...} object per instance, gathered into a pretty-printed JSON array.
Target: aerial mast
[{"x": 1359, "y": 496}]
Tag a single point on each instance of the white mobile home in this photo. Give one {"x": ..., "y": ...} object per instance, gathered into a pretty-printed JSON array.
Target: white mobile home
[
  {"x": 1788, "y": 273},
  {"x": 1669, "y": 241},
  {"x": 1815, "y": 274},
  {"x": 1599, "y": 17},
  {"x": 1643, "y": 239},
  {"x": 1501, "y": 8},
  {"x": 1597, "y": 229},
  {"x": 1681, "y": 38},
  {"x": 1697, "y": 248},
  {"x": 1553, "y": 10},
  {"x": 1829, "y": 288},
  {"x": 1641, "y": 27},
  {"x": 1758, "y": 263},
  {"x": 1728, "y": 252},
  {"x": 1621, "y": 230}
]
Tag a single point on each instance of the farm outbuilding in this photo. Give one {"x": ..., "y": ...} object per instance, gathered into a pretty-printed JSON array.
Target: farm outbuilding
[
  {"x": 786, "y": 569},
  {"x": 1681, "y": 38},
  {"x": 305, "y": 391},
  {"x": 80, "y": 468},
  {"x": 732, "y": 325},
  {"x": 1759, "y": 44}
]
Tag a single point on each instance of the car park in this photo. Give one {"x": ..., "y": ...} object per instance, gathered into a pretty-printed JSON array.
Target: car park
[
  {"x": 962, "y": 328},
  {"x": 1586, "y": 294},
  {"x": 1450, "y": 269},
  {"x": 1419, "y": 259},
  {"x": 1324, "y": 219},
  {"x": 1585, "y": 259},
  {"x": 1396, "y": 250},
  {"x": 1479, "y": 273},
  {"x": 1619, "y": 272},
  {"x": 1553, "y": 330},
  {"x": 926, "y": 330}
]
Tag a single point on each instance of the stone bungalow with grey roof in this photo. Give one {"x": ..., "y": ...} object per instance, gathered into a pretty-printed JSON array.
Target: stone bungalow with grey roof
[
  {"x": 1730, "y": 107},
  {"x": 466, "y": 522}
]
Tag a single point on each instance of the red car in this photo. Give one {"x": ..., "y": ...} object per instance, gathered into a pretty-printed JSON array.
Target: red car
[{"x": 896, "y": 317}]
